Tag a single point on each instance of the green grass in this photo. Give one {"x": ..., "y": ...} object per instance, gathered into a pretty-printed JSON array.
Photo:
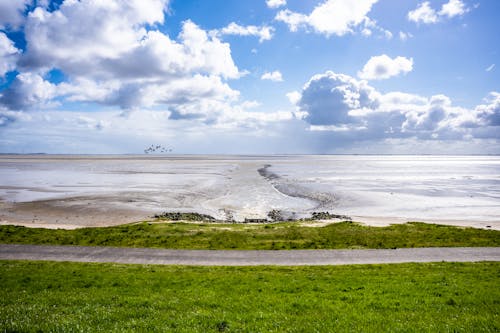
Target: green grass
[
  {"x": 70, "y": 297},
  {"x": 269, "y": 236}
]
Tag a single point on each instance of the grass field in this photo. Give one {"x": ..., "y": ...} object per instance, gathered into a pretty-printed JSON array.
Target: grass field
[
  {"x": 288, "y": 235},
  {"x": 70, "y": 297}
]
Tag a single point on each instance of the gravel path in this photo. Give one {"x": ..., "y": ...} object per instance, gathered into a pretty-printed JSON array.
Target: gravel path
[{"x": 244, "y": 258}]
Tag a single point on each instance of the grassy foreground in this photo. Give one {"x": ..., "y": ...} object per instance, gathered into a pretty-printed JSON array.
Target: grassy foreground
[
  {"x": 70, "y": 297},
  {"x": 269, "y": 237}
]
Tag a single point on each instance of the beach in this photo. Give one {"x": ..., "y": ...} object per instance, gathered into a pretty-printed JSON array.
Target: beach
[{"x": 73, "y": 191}]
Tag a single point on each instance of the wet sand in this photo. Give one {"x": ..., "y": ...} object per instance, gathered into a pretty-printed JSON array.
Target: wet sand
[{"x": 90, "y": 191}]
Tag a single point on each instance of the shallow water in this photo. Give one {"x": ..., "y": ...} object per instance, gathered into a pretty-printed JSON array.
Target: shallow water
[
  {"x": 413, "y": 187},
  {"x": 465, "y": 188}
]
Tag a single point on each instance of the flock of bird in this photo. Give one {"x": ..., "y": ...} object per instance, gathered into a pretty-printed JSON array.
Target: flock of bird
[{"x": 157, "y": 149}]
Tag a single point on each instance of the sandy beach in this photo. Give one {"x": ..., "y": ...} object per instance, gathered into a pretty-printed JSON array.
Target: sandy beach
[{"x": 60, "y": 191}]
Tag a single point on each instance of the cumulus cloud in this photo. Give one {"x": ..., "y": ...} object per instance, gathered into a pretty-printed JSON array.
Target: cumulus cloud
[
  {"x": 338, "y": 103},
  {"x": 383, "y": 67},
  {"x": 80, "y": 31},
  {"x": 329, "y": 98},
  {"x": 293, "y": 96},
  {"x": 115, "y": 43},
  {"x": 27, "y": 91},
  {"x": 8, "y": 55},
  {"x": 292, "y": 19},
  {"x": 275, "y": 3},
  {"x": 11, "y": 13},
  {"x": 121, "y": 59},
  {"x": 436, "y": 109},
  {"x": 111, "y": 54},
  {"x": 453, "y": 8},
  {"x": 332, "y": 17},
  {"x": 489, "y": 113},
  {"x": 424, "y": 13},
  {"x": 272, "y": 76},
  {"x": 263, "y": 32}
]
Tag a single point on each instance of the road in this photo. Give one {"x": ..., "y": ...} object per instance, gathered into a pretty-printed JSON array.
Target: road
[{"x": 244, "y": 258}]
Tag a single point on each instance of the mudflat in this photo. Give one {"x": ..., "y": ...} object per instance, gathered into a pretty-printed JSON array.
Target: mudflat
[{"x": 71, "y": 191}]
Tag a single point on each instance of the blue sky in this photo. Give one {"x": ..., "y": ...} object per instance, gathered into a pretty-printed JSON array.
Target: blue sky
[{"x": 263, "y": 76}]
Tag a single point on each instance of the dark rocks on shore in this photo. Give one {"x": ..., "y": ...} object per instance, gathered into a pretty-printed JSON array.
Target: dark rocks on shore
[
  {"x": 272, "y": 216},
  {"x": 176, "y": 216},
  {"x": 328, "y": 216}
]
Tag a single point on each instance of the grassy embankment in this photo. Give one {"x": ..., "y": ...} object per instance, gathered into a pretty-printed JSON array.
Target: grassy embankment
[
  {"x": 278, "y": 236},
  {"x": 68, "y": 297}
]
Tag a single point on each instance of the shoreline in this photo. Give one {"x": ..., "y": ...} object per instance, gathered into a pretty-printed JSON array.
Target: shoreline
[{"x": 110, "y": 219}]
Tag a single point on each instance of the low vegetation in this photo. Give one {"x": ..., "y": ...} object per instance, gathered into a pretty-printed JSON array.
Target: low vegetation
[
  {"x": 70, "y": 297},
  {"x": 278, "y": 236}
]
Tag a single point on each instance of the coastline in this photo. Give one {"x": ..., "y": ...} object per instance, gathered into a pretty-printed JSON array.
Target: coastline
[{"x": 40, "y": 215}]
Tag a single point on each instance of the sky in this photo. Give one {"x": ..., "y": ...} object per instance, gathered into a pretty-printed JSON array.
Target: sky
[{"x": 250, "y": 77}]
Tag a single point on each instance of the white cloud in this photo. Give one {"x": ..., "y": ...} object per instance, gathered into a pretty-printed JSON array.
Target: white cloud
[
  {"x": 431, "y": 117},
  {"x": 292, "y": 19},
  {"x": 405, "y": 35},
  {"x": 112, "y": 28},
  {"x": 328, "y": 99},
  {"x": 355, "y": 111},
  {"x": 27, "y": 91},
  {"x": 490, "y": 68},
  {"x": 383, "y": 67},
  {"x": 11, "y": 13},
  {"x": 264, "y": 32},
  {"x": 272, "y": 76},
  {"x": 489, "y": 113},
  {"x": 294, "y": 97},
  {"x": 117, "y": 61},
  {"x": 332, "y": 17},
  {"x": 453, "y": 8},
  {"x": 425, "y": 14},
  {"x": 275, "y": 3},
  {"x": 121, "y": 60},
  {"x": 8, "y": 55}
]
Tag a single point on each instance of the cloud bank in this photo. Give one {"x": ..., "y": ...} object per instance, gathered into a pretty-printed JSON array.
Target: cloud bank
[
  {"x": 353, "y": 109},
  {"x": 120, "y": 59}
]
